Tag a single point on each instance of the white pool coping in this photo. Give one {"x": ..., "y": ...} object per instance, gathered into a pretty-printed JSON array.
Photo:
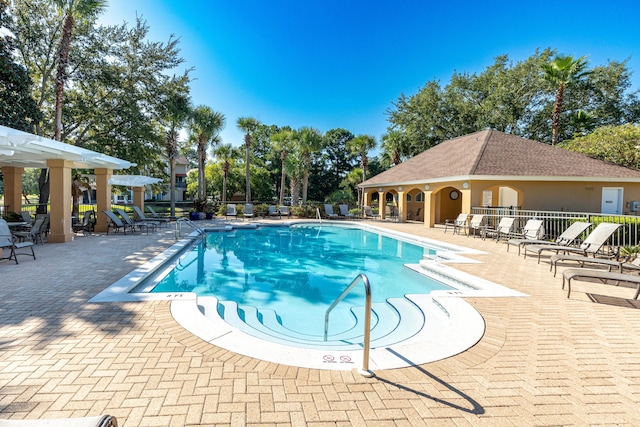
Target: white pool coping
[{"x": 453, "y": 325}]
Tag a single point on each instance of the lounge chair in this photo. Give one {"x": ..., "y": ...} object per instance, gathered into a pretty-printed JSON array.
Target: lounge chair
[
  {"x": 457, "y": 224},
  {"x": 87, "y": 224},
  {"x": 8, "y": 243},
  {"x": 26, "y": 217},
  {"x": 591, "y": 245},
  {"x": 273, "y": 211},
  {"x": 284, "y": 211},
  {"x": 602, "y": 275},
  {"x": 99, "y": 421},
  {"x": 140, "y": 216},
  {"x": 368, "y": 213},
  {"x": 157, "y": 217},
  {"x": 35, "y": 234},
  {"x": 476, "y": 225},
  {"x": 116, "y": 223},
  {"x": 135, "y": 224},
  {"x": 328, "y": 211},
  {"x": 344, "y": 211},
  {"x": 231, "y": 211},
  {"x": 248, "y": 210},
  {"x": 566, "y": 238},
  {"x": 504, "y": 229}
]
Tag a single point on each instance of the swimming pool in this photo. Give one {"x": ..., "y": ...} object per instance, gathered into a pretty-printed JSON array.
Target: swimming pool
[
  {"x": 425, "y": 326},
  {"x": 295, "y": 273}
]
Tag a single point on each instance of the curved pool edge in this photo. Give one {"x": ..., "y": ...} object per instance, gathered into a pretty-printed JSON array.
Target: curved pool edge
[{"x": 453, "y": 334}]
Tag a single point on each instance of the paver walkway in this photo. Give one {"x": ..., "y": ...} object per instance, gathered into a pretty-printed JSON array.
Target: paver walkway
[{"x": 544, "y": 359}]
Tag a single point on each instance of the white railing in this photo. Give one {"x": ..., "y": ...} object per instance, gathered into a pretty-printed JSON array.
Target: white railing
[{"x": 555, "y": 222}]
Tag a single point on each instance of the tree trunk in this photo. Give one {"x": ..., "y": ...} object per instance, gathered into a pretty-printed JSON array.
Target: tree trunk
[
  {"x": 295, "y": 191},
  {"x": 557, "y": 110},
  {"x": 247, "y": 144},
  {"x": 172, "y": 171},
  {"x": 283, "y": 177},
  {"x": 43, "y": 186},
  {"x": 224, "y": 187},
  {"x": 61, "y": 74}
]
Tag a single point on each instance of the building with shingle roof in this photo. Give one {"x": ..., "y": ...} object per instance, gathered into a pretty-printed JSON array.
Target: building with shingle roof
[{"x": 491, "y": 168}]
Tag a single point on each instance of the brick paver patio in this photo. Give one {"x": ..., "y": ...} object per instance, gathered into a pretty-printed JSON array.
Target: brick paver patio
[{"x": 544, "y": 359}]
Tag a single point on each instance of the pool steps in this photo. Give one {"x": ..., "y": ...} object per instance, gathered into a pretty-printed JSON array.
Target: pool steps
[{"x": 394, "y": 321}]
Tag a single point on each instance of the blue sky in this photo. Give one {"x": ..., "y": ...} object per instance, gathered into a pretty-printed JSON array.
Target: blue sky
[{"x": 340, "y": 63}]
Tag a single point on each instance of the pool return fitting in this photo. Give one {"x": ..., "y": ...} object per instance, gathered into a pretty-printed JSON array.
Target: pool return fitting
[{"x": 364, "y": 371}]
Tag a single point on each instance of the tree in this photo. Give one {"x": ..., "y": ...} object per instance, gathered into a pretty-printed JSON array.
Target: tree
[
  {"x": 225, "y": 154},
  {"x": 72, "y": 10},
  {"x": 394, "y": 144},
  {"x": 310, "y": 141},
  {"x": 613, "y": 144},
  {"x": 282, "y": 142},
  {"x": 204, "y": 125},
  {"x": 248, "y": 125},
  {"x": 561, "y": 72},
  {"x": 18, "y": 109},
  {"x": 337, "y": 154},
  {"x": 360, "y": 146}
]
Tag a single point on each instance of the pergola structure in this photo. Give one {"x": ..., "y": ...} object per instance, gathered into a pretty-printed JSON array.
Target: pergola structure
[{"x": 20, "y": 150}]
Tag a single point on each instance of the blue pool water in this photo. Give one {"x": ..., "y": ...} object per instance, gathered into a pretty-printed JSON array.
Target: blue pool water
[{"x": 298, "y": 271}]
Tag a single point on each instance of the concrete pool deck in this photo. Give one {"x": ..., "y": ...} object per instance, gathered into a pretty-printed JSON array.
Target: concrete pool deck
[{"x": 543, "y": 360}]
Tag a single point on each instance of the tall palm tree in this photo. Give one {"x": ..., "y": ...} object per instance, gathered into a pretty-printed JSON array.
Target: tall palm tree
[
  {"x": 360, "y": 146},
  {"x": 294, "y": 165},
  {"x": 393, "y": 145},
  {"x": 226, "y": 154},
  {"x": 561, "y": 72},
  {"x": 310, "y": 141},
  {"x": 205, "y": 125},
  {"x": 72, "y": 10},
  {"x": 248, "y": 125},
  {"x": 281, "y": 142}
]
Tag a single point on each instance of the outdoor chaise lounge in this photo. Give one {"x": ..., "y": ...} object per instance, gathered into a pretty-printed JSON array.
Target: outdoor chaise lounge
[
  {"x": 591, "y": 245},
  {"x": 135, "y": 224},
  {"x": 459, "y": 223},
  {"x": 368, "y": 213},
  {"x": 344, "y": 211},
  {"x": 99, "y": 421},
  {"x": 564, "y": 239},
  {"x": 504, "y": 229},
  {"x": 248, "y": 210},
  {"x": 157, "y": 217},
  {"x": 116, "y": 223},
  {"x": 476, "y": 225},
  {"x": 328, "y": 211},
  {"x": 273, "y": 211},
  {"x": 7, "y": 243},
  {"x": 140, "y": 216},
  {"x": 602, "y": 275},
  {"x": 284, "y": 211},
  {"x": 231, "y": 211}
]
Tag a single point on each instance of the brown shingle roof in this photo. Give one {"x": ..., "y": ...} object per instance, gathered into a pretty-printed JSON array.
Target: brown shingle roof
[{"x": 493, "y": 153}]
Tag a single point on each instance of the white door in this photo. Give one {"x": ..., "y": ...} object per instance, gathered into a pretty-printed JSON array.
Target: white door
[{"x": 611, "y": 200}]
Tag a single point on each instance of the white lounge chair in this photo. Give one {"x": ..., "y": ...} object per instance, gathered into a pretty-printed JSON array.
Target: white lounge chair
[
  {"x": 231, "y": 211},
  {"x": 564, "y": 239},
  {"x": 476, "y": 225},
  {"x": 248, "y": 210},
  {"x": 284, "y": 211},
  {"x": 459, "y": 223},
  {"x": 504, "y": 229},
  {"x": 602, "y": 275},
  {"x": 591, "y": 245},
  {"x": 273, "y": 211},
  {"x": 7, "y": 243}
]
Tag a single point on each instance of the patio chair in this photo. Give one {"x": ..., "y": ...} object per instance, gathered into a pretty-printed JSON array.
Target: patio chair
[
  {"x": 344, "y": 212},
  {"x": 459, "y": 223},
  {"x": 368, "y": 212},
  {"x": 328, "y": 211},
  {"x": 504, "y": 229},
  {"x": 99, "y": 421},
  {"x": 34, "y": 234},
  {"x": 231, "y": 211},
  {"x": 273, "y": 211},
  {"x": 602, "y": 275},
  {"x": 26, "y": 217},
  {"x": 564, "y": 239},
  {"x": 284, "y": 211},
  {"x": 248, "y": 210},
  {"x": 116, "y": 223},
  {"x": 135, "y": 224},
  {"x": 157, "y": 217},
  {"x": 140, "y": 216},
  {"x": 8, "y": 243},
  {"x": 86, "y": 225},
  {"x": 591, "y": 245},
  {"x": 476, "y": 225}
]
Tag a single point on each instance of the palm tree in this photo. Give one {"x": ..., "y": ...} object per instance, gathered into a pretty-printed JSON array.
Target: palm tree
[
  {"x": 205, "y": 125},
  {"x": 248, "y": 125},
  {"x": 294, "y": 165},
  {"x": 561, "y": 72},
  {"x": 226, "y": 154},
  {"x": 281, "y": 142},
  {"x": 360, "y": 146},
  {"x": 393, "y": 145},
  {"x": 310, "y": 141},
  {"x": 72, "y": 10}
]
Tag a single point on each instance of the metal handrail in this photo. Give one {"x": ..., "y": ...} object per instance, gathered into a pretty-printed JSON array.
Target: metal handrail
[
  {"x": 367, "y": 319},
  {"x": 318, "y": 216},
  {"x": 178, "y": 231}
]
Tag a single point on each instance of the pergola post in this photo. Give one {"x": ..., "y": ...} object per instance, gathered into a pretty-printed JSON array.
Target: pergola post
[
  {"x": 103, "y": 197},
  {"x": 429, "y": 209},
  {"x": 402, "y": 205},
  {"x": 60, "y": 200},
  {"x": 382, "y": 204},
  {"x": 12, "y": 188},
  {"x": 138, "y": 197}
]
